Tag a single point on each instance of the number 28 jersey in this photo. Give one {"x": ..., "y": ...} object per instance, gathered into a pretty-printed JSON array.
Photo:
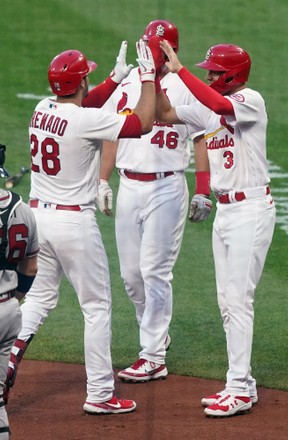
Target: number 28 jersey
[
  {"x": 166, "y": 147},
  {"x": 65, "y": 142}
]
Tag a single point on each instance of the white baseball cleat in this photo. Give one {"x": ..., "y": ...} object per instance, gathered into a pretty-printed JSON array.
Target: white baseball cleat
[
  {"x": 211, "y": 400},
  {"x": 143, "y": 371},
  {"x": 229, "y": 406},
  {"x": 112, "y": 406}
]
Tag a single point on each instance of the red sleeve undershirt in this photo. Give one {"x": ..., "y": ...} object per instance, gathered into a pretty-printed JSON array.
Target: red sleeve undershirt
[
  {"x": 207, "y": 96},
  {"x": 99, "y": 95},
  {"x": 132, "y": 127}
]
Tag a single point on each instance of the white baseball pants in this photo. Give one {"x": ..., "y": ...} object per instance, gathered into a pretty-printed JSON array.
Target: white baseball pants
[
  {"x": 71, "y": 244},
  {"x": 150, "y": 220},
  {"x": 242, "y": 234}
]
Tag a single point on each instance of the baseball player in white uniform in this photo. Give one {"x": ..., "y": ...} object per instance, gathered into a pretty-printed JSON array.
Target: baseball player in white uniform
[
  {"x": 18, "y": 267},
  {"x": 234, "y": 119},
  {"x": 65, "y": 143},
  {"x": 151, "y": 210}
]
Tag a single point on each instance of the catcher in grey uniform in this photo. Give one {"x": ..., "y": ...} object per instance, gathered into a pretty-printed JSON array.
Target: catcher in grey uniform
[{"x": 18, "y": 267}]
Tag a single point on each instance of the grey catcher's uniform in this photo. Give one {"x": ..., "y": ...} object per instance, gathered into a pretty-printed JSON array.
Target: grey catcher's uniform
[{"x": 22, "y": 242}]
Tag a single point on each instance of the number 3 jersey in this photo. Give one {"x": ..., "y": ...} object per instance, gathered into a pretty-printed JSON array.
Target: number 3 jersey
[
  {"x": 166, "y": 147},
  {"x": 236, "y": 145}
]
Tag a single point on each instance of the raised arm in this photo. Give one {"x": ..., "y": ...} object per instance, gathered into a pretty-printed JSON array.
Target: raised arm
[
  {"x": 205, "y": 94},
  {"x": 99, "y": 94}
]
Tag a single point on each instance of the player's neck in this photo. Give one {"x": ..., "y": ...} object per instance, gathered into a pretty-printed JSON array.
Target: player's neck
[{"x": 76, "y": 100}]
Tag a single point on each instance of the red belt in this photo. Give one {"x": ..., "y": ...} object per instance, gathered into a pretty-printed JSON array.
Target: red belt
[
  {"x": 238, "y": 196},
  {"x": 147, "y": 177},
  {"x": 6, "y": 296},
  {"x": 35, "y": 203}
]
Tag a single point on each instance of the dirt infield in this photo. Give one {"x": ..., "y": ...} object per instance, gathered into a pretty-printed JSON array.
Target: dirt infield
[{"x": 47, "y": 399}]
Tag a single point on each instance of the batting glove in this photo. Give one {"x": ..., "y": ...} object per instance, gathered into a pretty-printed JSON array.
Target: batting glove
[
  {"x": 121, "y": 70},
  {"x": 104, "y": 197},
  {"x": 146, "y": 62},
  {"x": 200, "y": 208}
]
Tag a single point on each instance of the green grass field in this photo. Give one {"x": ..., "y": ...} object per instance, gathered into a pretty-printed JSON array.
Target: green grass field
[{"x": 32, "y": 33}]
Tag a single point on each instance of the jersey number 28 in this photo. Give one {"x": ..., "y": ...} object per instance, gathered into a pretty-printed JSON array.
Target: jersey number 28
[{"x": 49, "y": 150}]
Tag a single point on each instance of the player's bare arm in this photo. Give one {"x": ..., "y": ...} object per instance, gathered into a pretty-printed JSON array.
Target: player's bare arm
[
  {"x": 165, "y": 113},
  {"x": 145, "y": 108},
  {"x": 105, "y": 195},
  {"x": 108, "y": 159},
  {"x": 200, "y": 154}
]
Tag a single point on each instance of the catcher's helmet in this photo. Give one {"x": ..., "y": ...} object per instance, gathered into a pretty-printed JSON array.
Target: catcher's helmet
[
  {"x": 67, "y": 70},
  {"x": 164, "y": 29},
  {"x": 234, "y": 62}
]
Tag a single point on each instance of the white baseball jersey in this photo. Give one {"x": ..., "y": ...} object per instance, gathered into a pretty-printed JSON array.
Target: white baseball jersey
[
  {"x": 236, "y": 145},
  {"x": 162, "y": 149},
  {"x": 65, "y": 148}
]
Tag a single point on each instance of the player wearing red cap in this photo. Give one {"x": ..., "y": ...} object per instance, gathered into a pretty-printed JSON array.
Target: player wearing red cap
[{"x": 234, "y": 119}]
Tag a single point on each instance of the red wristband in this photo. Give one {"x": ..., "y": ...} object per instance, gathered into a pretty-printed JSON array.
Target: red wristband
[{"x": 202, "y": 182}]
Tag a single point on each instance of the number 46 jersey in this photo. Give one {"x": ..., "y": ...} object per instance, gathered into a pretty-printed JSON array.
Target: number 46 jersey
[{"x": 166, "y": 147}]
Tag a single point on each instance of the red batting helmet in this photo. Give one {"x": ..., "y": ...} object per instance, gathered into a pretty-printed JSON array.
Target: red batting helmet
[
  {"x": 67, "y": 70},
  {"x": 164, "y": 29},
  {"x": 234, "y": 62}
]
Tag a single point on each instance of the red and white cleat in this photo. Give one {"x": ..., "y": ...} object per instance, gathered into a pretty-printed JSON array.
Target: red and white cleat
[
  {"x": 143, "y": 371},
  {"x": 112, "y": 406},
  {"x": 229, "y": 406}
]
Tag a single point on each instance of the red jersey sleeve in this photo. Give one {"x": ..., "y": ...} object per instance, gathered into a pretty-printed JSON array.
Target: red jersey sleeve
[
  {"x": 99, "y": 94},
  {"x": 207, "y": 96},
  {"x": 132, "y": 127}
]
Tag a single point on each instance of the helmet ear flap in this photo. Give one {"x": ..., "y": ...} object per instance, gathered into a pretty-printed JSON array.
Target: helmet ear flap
[{"x": 233, "y": 61}]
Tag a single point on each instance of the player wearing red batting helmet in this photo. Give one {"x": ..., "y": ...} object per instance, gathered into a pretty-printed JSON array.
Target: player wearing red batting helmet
[
  {"x": 164, "y": 29},
  {"x": 66, "y": 142},
  {"x": 235, "y": 156},
  {"x": 234, "y": 63},
  {"x": 152, "y": 187},
  {"x": 67, "y": 70},
  {"x": 161, "y": 30}
]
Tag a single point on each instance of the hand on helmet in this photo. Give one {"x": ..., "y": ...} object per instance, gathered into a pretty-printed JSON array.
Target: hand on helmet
[
  {"x": 173, "y": 62},
  {"x": 104, "y": 197},
  {"x": 146, "y": 62},
  {"x": 157, "y": 53},
  {"x": 200, "y": 208},
  {"x": 121, "y": 70}
]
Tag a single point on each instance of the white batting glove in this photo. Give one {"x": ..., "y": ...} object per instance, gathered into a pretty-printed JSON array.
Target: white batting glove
[
  {"x": 104, "y": 197},
  {"x": 121, "y": 70},
  {"x": 200, "y": 208},
  {"x": 146, "y": 62}
]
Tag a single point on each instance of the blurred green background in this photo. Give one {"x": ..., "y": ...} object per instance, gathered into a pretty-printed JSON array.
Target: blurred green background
[{"x": 31, "y": 34}]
